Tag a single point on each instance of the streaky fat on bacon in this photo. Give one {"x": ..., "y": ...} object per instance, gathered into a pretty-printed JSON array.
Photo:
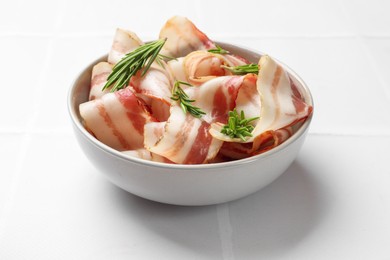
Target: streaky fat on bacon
[
  {"x": 183, "y": 37},
  {"x": 117, "y": 119}
]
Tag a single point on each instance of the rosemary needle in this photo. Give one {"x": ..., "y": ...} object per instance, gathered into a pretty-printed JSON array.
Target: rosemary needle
[
  {"x": 218, "y": 50},
  {"x": 139, "y": 59},
  {"x": 238, "y": 126},
  {"x": 179, "y": 95},
  {"x": 243, "y": 69}
]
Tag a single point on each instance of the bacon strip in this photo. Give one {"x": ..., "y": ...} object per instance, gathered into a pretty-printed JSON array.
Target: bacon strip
[
  {"x": 117, "y": 119},
  {"x": 100, "y": 73},
  {"x": 146, "y": 155},
  {"x": 183, "y": 37},
  {"x": 155, "y": 89},
  {"x": 247, "y": 100},
  {"x": 266, "y": 141},
  {"x": 220, "y": 95},
  {"x": 186, "y": 139},
  {"x": 282, "y": 108},
  {"x": 153, "y": 132},
  {"x": 139, "y": 153},
  {"x": 282, "y": 104},
  {"x": 155, "y": 86},
  {"x": 124, "y": 42},
  {"x": 200, "y": 66}
]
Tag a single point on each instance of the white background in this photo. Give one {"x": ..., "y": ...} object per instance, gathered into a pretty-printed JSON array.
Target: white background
[{"x": 332, "y": 203}]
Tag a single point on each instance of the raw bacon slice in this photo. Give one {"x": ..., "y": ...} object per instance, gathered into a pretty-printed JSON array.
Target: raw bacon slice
[
  {"x": 186, "y": 139},
  {"x": 183, "y": 37},
  {"x": 155, "y": 88},
  {"x": 153, "y": 131},
  {"x": 247, "y": 100},
  {"x": 124, "y": 42},
  {"x": 146, "y": 155},
  {"x": 117, "y": 119},
  {"x": 100, "y": 73},
  {"x": 282, "y": 103},
  {"x": 266, "y": 141},
  {"x": 282, "y": 108},
  {"x": 200, "y": 66},
  {"x": 222, "y": 94},
  {"x": 139, "y": 153}
]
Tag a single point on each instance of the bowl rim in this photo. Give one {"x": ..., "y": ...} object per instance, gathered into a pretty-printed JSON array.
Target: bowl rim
[{"x": 120, "y": 155}]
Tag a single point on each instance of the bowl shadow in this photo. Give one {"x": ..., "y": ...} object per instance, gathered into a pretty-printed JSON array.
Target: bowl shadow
[
  {"x": 276, "y": 219},
  {"x": 270, "y": 222}
]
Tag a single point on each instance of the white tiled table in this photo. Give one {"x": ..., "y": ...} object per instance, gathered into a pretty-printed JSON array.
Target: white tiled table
[{"x": 332, "y": 203}]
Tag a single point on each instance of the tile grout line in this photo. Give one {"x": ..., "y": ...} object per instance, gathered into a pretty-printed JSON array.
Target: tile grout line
[
  {"x": 363, "y": 46},
  {"x": 227, "y": 35},
  {"x": 10, "y": 194},
  {"x": 374, "y": 66},
  {"x": 225, "y": 231},
  {"x": 385, "y": 133},
  {"x": 25, "y": 144},
  {"x": 27, "y": 134}
]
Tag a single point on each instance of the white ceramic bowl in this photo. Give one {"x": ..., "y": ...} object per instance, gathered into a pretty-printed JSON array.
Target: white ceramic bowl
[{"x": 186, "y": 184}]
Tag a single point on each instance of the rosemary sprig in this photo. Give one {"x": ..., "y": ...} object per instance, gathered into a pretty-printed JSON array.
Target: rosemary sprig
[
  {"x": 179, "y": 95},
  {"x": 238, "y": 126},
  {"x": 139, "y": 59},
  {"x": 218, "y": 50},
  {"x": 243, "y": 69}
]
